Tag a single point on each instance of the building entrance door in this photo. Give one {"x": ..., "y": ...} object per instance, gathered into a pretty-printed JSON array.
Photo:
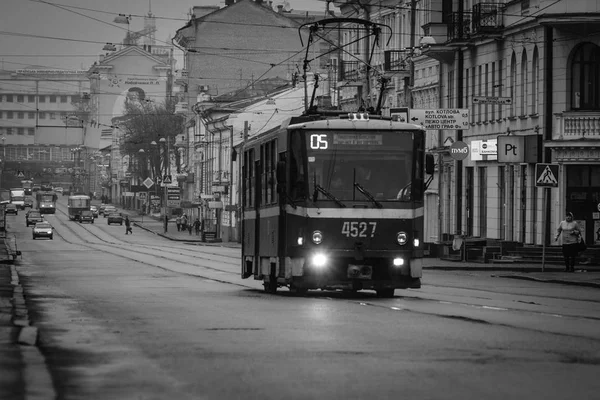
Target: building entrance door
[{"x": 583, "y": 199}]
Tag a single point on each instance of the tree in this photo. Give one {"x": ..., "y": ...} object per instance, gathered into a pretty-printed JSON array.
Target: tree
[{"x": 146, "y": 121}]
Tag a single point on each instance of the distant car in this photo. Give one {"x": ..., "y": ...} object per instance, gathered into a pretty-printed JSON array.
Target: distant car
[
  {"x": 94, "y": 211},
  {"x": 86, "y": 216},
  {"x": 35, "y": 188},
  {"x": 101, "y": 209},
  {"x": 114, "y": 218},
  {"x": 28, "y": 202},
  {"x": 66, "y": 192},
  {"x": 43, "y": 229},
  {"x": 11, "y": 209},
  {"x": 109, "y": 210},
  {"x": 59, "y": 189},
  {"x": 33, "y": 217}
]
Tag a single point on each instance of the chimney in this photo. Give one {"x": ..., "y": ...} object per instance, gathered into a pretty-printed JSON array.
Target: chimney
[{"x": 280, "y": 8}]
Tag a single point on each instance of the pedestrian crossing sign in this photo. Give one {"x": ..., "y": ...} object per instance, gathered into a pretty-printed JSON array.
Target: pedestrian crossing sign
[{"x": 546, "y": 175}]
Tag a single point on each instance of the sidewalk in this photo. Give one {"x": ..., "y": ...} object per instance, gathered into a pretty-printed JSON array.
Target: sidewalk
[{"x": 585, "y": 275}]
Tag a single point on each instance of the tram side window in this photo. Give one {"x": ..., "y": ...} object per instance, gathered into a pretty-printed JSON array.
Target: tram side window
[
  {"x": 297, "y": 180},
  {"x": 270, "y": 167},
  {"x": 249, "y": 178}
]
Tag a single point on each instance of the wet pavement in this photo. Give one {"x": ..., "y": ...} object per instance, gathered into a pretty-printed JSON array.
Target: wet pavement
[{"x": 18, "y": 338}]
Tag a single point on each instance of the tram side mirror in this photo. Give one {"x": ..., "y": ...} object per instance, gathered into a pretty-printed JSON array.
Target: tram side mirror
[{"x": 429, "y": 164}]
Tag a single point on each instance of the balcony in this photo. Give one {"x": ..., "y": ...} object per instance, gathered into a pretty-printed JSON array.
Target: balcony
[
  {"x": 487, "y": 18},
  {"x": 580, "y": 125},
  {"x": 350, "y": 73},
  {"x": 459, "y": 28},
  {"x": 396, "y": 61}
]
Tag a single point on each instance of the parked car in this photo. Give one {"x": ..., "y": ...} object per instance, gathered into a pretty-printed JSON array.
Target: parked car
[
  {"x": 33, "y": 217},
  {"x": 11, "y": 208},
  {"x": 114, "y": 218},
  {"x": 86, "y": 216},
  {"x": 28, "y": 202},
  {"x": 109, "y": 210},
  {"x": 43, "y": 229},
  {"x": 94, "y": 211}
]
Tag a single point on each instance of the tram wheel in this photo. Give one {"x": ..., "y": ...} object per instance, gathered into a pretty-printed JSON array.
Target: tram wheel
[
  {"x": 385, "y": 293},
  {"x": 270, "y": 287}
]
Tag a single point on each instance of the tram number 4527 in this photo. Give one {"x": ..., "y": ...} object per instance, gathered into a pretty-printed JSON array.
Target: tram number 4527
[{"x": 359, "y": 229}]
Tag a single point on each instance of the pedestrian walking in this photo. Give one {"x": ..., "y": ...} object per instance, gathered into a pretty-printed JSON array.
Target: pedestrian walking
[
  {"x": 197, "y": 226},
  {"x": 571, "y": 233},
  {"x": 190, "y": 226},
  {"x": 184, "y": 222},
  {"x": 178, "y": 223},
  {"x": 128, "y": 229}
]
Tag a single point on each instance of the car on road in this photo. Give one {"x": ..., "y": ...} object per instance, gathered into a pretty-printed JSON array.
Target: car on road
[
  {"x": 11, "y": 208},
  {"x": 109, "y": 210},
  {"x": 114, "y": 218},
  {"x": 43, "y": 229},
  {"x": 33, "y": 217},
  {"x": 28, "y": 202},
  {"x": 86, "y": 216},
  {"x": 94, "y": 211},
  {"x": 59, "y": 189}
]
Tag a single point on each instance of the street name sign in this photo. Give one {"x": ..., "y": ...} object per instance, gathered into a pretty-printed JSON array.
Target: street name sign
[
  {"x": 441, "y": 119},
  {"x": 491, "y": 100}
]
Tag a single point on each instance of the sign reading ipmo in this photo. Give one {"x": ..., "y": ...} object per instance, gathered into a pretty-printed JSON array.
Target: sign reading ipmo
[{"x": 459, "y": 150}]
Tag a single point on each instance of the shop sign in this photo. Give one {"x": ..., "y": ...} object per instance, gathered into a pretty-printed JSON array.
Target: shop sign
[{"x": 215, "y": 204}]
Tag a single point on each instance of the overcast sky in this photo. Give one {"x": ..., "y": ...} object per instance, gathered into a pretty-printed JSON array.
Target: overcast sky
[{"x": 70, "y": 34}]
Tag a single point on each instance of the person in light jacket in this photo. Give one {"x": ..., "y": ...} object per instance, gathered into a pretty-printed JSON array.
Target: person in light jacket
[{"x": 570, "y": 232}]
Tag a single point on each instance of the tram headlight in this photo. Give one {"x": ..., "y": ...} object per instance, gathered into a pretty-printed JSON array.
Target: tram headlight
[
  {"x": 416, "y": 242},
  {"x": 398, "y": 262},
  {"x": 319, "y": 260},
  {"x": 401, "y": 238},
  {"x": 317, "y": 237},
  {"x": 300, "y": 241}
]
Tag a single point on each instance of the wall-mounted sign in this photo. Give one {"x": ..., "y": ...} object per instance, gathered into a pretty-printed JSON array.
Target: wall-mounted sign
[
  {"x": 484, "y": 150},
  {"x": 520, "y": 149},
  {"x": 441, "y": 119}
]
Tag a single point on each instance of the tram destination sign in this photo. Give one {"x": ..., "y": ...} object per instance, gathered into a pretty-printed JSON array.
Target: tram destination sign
[{"x": 454, "y": 119}]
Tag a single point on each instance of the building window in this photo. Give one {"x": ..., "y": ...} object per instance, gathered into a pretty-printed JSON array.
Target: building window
[
  {"x": 31, "y": 98},
  {"x": 513, "y": 85},
  {"x": 1, "y": 114},
  {"x": 20, "y": 115},
  {"x": 585, "y": 78},
  {"x": 52, "y": 115},
  {"x": 52, "y": 98},
  {"x": 42, "y": 115},
  {"x": 20, "y": 98},
  {"x": 524, "y": 84},
  {"x": 64, "y": 99},
  {"x": 535, "y": 75},
  {"x": 31, "y": 131},
  {"x": 9, "y": 98},
  {"x": 42, "y": 99},
  {"x": 31, "y": 115},
  {"x": 20, "y": 131},
  {"x": 9, "y": 131},
  {"x": 10, "y": 114}
]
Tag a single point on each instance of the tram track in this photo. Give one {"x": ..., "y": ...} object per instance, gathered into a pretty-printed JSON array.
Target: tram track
[{"x": 400, "y": 303}]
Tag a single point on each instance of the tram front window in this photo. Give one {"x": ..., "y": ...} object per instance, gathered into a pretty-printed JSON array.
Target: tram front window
[{"x": 380, "y": 162}]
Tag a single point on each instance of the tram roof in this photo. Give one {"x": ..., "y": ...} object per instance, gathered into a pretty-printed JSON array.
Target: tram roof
[{"x": 353, "y": 124}]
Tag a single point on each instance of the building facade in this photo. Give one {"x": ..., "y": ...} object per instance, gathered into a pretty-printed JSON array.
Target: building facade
[{"x": 42, "y": 114}]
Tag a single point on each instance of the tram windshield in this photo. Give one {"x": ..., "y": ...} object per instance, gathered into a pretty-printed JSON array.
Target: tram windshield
[{"x": 340, "y": 163}]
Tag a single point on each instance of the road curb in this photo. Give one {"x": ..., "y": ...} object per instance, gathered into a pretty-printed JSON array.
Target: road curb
[
  {"x": 37, "y": 377},
  {"x": 559, "y": 281}
]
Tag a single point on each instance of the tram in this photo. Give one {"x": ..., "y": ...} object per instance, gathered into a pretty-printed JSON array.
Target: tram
[
  {"x": 27, "y": 185},
  {"x": 335, "y": 202},
  {"x": 76, "y": 204},
  {"x": 46, "y": 201}
]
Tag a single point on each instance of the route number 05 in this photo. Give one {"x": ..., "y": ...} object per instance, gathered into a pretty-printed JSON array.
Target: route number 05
[
  {"x": 318, "y": 141},
  {"x": 359, "y": 229}
]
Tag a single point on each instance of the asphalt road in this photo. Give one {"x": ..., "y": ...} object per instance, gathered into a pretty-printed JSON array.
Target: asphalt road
[{"x": 140, "y": 317}]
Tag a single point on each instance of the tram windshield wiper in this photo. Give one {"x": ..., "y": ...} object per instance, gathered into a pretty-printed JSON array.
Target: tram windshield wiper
[
  {"x": 367, "y": 194},
  {"x": 326, "y": 193}
]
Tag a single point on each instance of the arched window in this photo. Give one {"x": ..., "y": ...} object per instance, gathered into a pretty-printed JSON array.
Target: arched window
[
  {"x": 585, "y": 78},
  {"x": 535, "y": 76},
  {"x": 513, "y": 85},
  {"x": 524, "y": 84}
]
